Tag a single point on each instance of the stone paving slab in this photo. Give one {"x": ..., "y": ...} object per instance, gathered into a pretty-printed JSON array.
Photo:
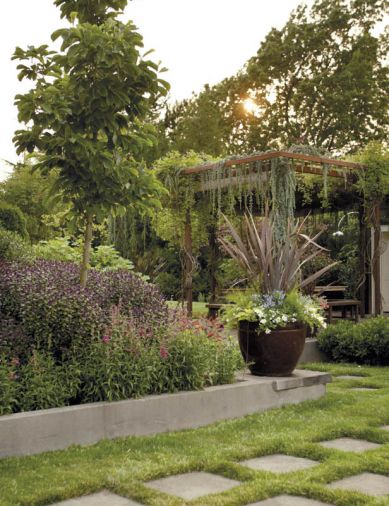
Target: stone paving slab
[
  {"x": 385, "y": 427},
  {"x": 192, "y": 485},
  {"x": 348, "y": 444},
  {"x": 103, "y": 498},
  {"x": 366, "y": 483},
  {"x": 278, "y": 463},
  {"x": 349, "y": 377},
  {"x": 289, "y": 500}
]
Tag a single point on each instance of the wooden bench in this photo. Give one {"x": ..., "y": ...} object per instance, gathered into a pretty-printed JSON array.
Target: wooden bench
[
  {"x": 345, "y": 305},
  {"x": 331, "y": 291}
]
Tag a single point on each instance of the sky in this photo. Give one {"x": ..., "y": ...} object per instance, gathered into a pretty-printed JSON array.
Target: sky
[{"x": 198, "y": 41}]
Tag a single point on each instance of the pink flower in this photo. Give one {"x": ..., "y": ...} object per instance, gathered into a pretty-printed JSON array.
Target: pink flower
[
  {"x": 163, "y": 352},
  {"x": 106, "y": 339},
  {"x": 324, "y": 304}
]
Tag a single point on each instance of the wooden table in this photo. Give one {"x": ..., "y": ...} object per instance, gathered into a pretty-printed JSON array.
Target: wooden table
[
  {"x": 344, "y": 305},
  {"x": 213, "y": 310}
]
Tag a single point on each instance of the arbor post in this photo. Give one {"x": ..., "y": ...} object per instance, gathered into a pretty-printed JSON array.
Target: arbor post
[
  {"x": 362, "y": 258},
  {"x": 213, "y": 258},
  {"x": 376, "y": 259},
  {"x": 188, "y": 264}
]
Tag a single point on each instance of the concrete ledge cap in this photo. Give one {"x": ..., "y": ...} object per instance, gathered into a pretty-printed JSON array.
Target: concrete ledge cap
[{"x": 301, "y": 379}]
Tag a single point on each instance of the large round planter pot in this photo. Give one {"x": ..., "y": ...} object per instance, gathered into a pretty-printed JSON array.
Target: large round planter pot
[{"x": 274, "y": 354}]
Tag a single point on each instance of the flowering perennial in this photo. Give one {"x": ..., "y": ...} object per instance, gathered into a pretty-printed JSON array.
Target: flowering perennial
[{"x": 276, "y": 310}]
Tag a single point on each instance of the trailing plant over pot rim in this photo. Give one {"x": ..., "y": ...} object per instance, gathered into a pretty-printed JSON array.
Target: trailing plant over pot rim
[{"x": 276, "y": 310}]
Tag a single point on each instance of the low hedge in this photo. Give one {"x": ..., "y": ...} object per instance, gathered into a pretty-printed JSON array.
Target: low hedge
[{"x": 362, "y": 343}]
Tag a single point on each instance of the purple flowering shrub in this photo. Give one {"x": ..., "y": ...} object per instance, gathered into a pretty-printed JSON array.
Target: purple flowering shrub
[
  {"x": 60, "y": 316},
  {"x": 114, "y": 340}
]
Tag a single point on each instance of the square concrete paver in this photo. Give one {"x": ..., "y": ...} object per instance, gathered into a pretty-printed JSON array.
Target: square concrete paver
[
  {"x": 192, "y": 485},
  {"x": 279, "y": 463},
  {"x": 366, "y": 483},
  {"x": 348, "y": 444},
  {"x": 289, "y": 500},
  {"x": 103, "y": 498}
]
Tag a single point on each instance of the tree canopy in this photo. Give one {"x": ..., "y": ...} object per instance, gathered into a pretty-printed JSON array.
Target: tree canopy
[{"x": 319, "y": 80}]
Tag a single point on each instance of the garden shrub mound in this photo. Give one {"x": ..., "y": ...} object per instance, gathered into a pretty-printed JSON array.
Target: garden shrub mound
[
  {"x": 61, "y": 344},
  {"x": 13, "y": 248},
  {"x": 362, "y": 343},
  {"x": 12, "y": 219},
  {"x": 46, "y": 298}
]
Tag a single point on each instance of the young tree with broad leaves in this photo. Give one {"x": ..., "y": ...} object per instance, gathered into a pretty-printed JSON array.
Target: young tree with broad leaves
[{"x": 85, "y": 114}]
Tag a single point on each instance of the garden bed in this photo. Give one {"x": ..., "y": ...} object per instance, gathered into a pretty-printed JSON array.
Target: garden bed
[{"x": 52, "y": 429}]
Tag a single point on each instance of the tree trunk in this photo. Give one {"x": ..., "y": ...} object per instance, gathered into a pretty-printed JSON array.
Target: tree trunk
[{"x": 86, "y": 250}]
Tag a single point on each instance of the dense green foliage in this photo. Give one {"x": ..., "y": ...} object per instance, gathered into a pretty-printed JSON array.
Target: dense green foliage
[
  {"x": 30, "y": 191},
  {"x": 117, "y": 368},
  {"x": 373, "y": 180},
  {"x": 13, "y": 248},
  {"x": 12, "y": 219},
  {"x": 363, "y": 343},
  {"x": 103, "y": 257}
]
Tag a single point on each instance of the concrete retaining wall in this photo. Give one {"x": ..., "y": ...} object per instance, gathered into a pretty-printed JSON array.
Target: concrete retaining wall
[
  {"x": 312, "y": 353},
  {"x": 54, "y": 429}
]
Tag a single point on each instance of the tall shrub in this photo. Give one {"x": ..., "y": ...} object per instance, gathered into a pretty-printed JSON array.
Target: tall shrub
[{"x": 12, "y": 218}]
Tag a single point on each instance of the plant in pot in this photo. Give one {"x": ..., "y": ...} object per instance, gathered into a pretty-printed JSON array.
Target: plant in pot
[{"x": 273, "y": 313}]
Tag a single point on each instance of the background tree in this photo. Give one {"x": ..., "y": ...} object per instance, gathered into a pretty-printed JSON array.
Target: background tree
[
  {"x": 86, "y": 110},
  {"x": 30, "y": 191},
  {"x": 320, "y": 80}
]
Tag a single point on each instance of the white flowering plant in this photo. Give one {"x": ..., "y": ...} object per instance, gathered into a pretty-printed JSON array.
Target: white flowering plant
[{"x": 275, "y": 310}]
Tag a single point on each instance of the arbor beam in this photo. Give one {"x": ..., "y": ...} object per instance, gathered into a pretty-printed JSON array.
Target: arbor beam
[{"x": 318, "y": 160}]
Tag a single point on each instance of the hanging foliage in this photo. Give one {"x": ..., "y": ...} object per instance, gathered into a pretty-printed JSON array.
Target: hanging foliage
[
  {"x": 270, "y": 185},
  {"x": 283, "y": 188}
]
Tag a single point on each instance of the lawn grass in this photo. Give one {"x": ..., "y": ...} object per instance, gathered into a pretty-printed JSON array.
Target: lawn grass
[
  {"x": 199, "y": 308},
  {"x": 125, "y": 464}
]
